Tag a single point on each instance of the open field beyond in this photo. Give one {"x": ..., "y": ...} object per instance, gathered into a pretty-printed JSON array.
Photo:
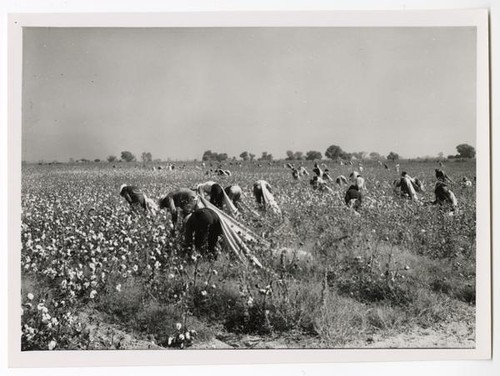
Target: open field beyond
[{"x": 97, "y": 276}]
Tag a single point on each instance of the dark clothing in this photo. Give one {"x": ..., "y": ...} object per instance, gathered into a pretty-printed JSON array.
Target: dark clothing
[
  {"x": 315, "y": 181},
  {"x": 234, "y": 193},
  {"x": 353, "y": 193},
  {"x": 217, "y": 195},
  {"x": 257, "y": 191},
  {"x": 205, "y": 225},
  {"x": 133, "y": 196},
  {"x": 441, "y": 176},
  {"x": 444, "y": 195},
  {"x": 183, "y": 199}
]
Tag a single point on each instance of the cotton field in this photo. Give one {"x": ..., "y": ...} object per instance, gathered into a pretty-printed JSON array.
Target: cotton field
[{"x": 331, "y": 276}]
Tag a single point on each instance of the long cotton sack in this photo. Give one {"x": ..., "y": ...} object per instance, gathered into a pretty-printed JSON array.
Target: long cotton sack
[
  {"x": 269, "y": 200},
  {"x": 233, "y": 231},
  {"x": 240, "y": 229},
  {"x": 229, "y": 204}
]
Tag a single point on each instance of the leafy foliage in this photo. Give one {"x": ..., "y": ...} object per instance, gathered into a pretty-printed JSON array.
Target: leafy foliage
[
  {"x": 392, "y": 156},
  {"x": 313, "y": 155},
  {"x": 127, "y": 156},
  {"x": 335, "y": 152},
  {"x": 466, "y": 151}
]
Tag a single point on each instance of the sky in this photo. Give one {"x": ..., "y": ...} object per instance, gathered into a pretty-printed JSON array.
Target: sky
[{"x": 176, "y": 92}]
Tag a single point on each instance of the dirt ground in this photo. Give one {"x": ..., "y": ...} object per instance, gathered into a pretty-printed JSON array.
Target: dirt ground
[{"x": 104, "y": 336}]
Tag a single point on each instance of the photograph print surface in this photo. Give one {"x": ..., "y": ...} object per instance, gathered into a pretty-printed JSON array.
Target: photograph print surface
[{"x": 204, "y": 188}]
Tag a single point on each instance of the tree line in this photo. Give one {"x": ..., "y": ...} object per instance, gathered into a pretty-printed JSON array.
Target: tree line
[{"x": 333, "y": 152}]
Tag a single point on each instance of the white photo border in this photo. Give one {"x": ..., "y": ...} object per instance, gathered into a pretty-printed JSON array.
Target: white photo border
[{"x": 415, "y": 18}]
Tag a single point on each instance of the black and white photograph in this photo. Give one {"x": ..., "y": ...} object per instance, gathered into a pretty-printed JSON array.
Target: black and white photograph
[{"x": 253, "y": 188}]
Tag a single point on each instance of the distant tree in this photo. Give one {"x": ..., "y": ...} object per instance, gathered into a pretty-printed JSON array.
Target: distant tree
[
  {"x": 97, "y": 160},
  {"x": 245, "y": 156},
  {"x": 451, "y": 156},
  {"x": 466, "y": 151},
  {"x": 440, "y": 155},
  {"x": 221, "y": 157},
  {"x": 214, "y": 156},
  {"x": 72, "y": 160},
  {"x": 146, "y": 157},
  {"x": 289, "y": 155},
  {"x": 375, "y": 155},
  {"x": 207, "y": 155},
  {"x": 393, "y": 156},
  {"x": 266, "y": 156},
  {"x": 127, "y": 156},
  {"x": 298, "y": 155},
  {"x": 313, "y": 155},
  {"x": 252, "y": 156},
  {"x": 334, "y": 152},
  {"x": 112, "y": 158}
]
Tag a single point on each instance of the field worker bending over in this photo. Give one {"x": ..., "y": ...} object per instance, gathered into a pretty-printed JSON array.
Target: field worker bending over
[
  {"x": 297, "y": 173},
  {"x": 204, "y": 225},
  {"x": 217, "y": 195},
  {"x": 136, "y": 198},
  {"x": 441, "y": 176},
  {"x": 258, "y": 187},
  {"x": 444, "y": 196},
  {"x": 263, "y": 194},
  {"x": 181, "y": 201},
  {"x": 319, "y": 184},
  {"x": 406, "y": 186},
  {"x": 317, "y": 170},
  {"x": 326, "y": 175},
  {"x": 353, "y": 197},
  {"x": 341, "y": 180},
  {"x": 220, "y": 199},
  {"x": 303, "y": 171},
  {"x": 358, "y": 180},
  {"x": 234, "y": 193},
  {"x": 204, "y": 188}
]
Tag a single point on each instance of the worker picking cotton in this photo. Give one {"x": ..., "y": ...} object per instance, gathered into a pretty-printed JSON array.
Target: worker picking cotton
[
  {"x": 319, "y": 184},
  {"x": 353, "y": 197},
  {"x": 358, "y": 180},
  {"x": 303, "y": 171},
  {"x": 263, "y": 194},
  {"x": 234, "y": 193},
  {"x": 136, "y": 198},
  {"x": 326, "y": 175},
  {"x": 220, "y": 199},
  {"x": 317, "y": 170},
  {"x": 441, "y": 176},
  {"x": 180, "y": 202},
  {"x": 407, "y": 186},
  {"x": 341, "y": 180},
  {"x": 444, "y": 196},
  {"x": 204, "y": 188}
]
